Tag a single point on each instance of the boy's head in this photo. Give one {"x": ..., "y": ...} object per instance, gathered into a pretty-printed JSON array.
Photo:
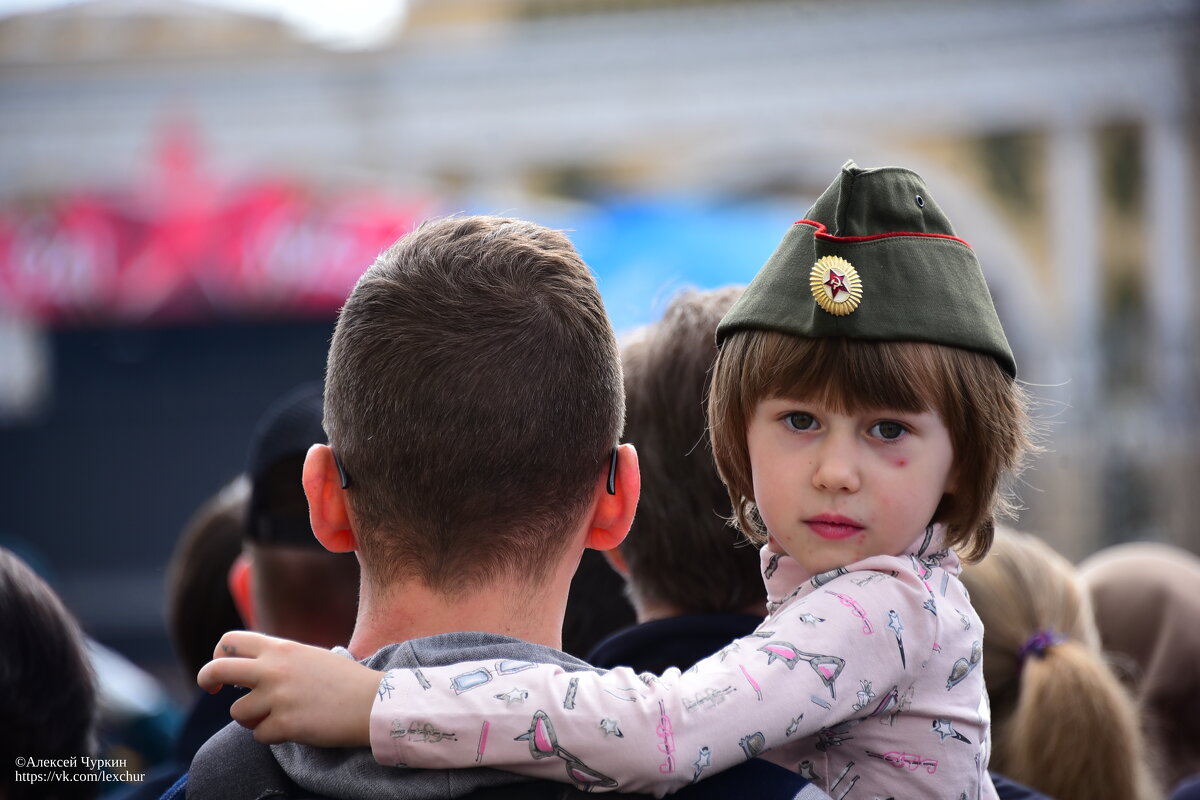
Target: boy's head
[
  {"x": 681, "y": 556},
  {"x": 473, "y": 394},
  {"x": 871, "y": 301}
]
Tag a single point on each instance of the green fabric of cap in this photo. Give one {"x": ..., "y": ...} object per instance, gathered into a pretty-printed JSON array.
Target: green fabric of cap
[{"x": 919, "y": 282}]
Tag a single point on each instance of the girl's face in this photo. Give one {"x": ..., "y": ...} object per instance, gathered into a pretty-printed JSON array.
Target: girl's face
[{"x": 835, "y": 488}]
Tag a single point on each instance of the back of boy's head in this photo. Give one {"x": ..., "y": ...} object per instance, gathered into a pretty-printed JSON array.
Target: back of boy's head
[
  {"x": 199, "y": 606},
  {"x": 1047, "y": 680},
  {"x": 473, "y": 395},
  {"x": 871, "y": 301},
  {"x": 681, "y": 552}
]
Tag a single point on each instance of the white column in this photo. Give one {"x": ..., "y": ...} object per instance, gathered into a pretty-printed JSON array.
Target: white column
[
  {"x": 1171, "y": 293},
  {"x": 1075, "y": 249},
  {"x": 1074, "y": 467}
]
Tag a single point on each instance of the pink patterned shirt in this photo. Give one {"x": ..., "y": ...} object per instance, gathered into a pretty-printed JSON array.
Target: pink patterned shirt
[{"x": 867, "y": 680}]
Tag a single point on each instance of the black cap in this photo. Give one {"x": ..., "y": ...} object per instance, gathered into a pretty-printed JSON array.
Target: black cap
[{"x": 278, "y": 513}]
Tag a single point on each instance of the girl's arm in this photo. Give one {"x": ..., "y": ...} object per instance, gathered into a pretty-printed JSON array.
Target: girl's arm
[
  {"x": 814, "y": 668},
  {"x": 298, "y": 692}
]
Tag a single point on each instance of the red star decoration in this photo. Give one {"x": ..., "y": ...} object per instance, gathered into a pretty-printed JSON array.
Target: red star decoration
[{"x": 836, "y": 283}]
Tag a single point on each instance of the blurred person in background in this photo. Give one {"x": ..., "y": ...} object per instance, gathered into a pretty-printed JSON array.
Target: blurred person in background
[
  {"x": 694, "y": 580},
  {"x": 1062, "y": 722},
  {"x": 200, "y": 609},
  {"x": 281, "y": 581},
  {"x": 596, "y": 606},
  {"x": 284, "y": 583},
  {"x": 48, "y": 699},
  {"x": 1147, "y": 602}
]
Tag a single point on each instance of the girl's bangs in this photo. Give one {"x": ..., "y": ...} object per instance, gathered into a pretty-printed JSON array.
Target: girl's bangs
[{"x": 847, "y": 375}]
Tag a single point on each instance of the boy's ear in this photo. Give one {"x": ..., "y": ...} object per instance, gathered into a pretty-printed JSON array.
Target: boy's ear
[
  {"x": 613, "y": 513},
  {"x": 241, "y": 588},
  {"x": 327, "y": 511}
]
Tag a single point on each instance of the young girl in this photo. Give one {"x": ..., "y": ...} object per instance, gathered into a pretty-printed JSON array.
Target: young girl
[{"x": 863, "y": 413}]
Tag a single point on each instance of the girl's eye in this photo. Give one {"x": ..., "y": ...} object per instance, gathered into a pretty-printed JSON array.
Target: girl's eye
[
  {"x": 887, "y": 430},
  {"x": 799, "y": 421}
]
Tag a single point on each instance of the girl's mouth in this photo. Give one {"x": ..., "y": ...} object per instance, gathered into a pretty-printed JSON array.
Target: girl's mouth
[{"x": 833, "y": 526}]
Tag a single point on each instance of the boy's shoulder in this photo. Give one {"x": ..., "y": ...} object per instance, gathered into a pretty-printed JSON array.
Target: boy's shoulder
[{"x": 233, "y": 766}]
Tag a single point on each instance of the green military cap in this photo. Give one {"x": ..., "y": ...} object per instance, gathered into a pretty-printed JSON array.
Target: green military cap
[{"x": 874, "y": 258}]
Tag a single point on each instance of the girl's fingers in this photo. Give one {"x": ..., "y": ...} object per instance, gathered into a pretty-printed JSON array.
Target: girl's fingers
[
  {"x": 241, "y": 644},
  {"x": 228, "y": 672},
  {"x": 250, "y": 710},
  {"x": 267, "y": 732}
]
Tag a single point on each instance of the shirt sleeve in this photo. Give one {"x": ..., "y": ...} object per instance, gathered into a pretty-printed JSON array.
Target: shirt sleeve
[{"x": 819, "y": 663}]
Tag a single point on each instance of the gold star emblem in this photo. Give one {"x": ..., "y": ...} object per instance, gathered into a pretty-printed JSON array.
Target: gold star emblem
[{"x": 835, "y": 285}]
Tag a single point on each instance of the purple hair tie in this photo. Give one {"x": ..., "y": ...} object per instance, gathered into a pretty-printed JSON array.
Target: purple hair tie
[{"x": 1038, "y": 643}]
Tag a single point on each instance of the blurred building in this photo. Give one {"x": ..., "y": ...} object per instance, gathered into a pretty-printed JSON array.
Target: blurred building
[{"x": 1062, "y": 135}]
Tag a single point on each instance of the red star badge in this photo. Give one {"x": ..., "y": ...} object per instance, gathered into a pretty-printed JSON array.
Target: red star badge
[{"x": 836, "y": 283}]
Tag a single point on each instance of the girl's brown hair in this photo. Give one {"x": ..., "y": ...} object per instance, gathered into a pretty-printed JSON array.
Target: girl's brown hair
[
  {"x": 1062, "y": 722},
  {"x": 985, "y": 411}
]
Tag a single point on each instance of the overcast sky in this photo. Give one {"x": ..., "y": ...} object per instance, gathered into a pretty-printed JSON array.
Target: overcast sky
[{"x": 345, "y": 22}]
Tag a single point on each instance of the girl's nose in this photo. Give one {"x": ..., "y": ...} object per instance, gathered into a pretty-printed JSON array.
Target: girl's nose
[{"x": 836, "y": 469}]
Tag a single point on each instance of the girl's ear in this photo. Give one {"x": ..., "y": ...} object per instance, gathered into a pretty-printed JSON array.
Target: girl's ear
[
  {"x": 613, "y": 512},
  {"x": 328, "y": 513}
]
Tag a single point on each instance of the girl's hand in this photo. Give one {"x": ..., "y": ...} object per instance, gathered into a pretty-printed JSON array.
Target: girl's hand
[{"x": 297, "y": 693}]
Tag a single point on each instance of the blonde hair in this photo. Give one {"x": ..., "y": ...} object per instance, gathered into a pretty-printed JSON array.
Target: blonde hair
[{"x": 1061, "y": 721}]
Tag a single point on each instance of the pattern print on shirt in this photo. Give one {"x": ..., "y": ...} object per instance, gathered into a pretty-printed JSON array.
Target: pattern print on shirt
[
  {"x": 944, "y": 728},
  {"x": 865, "y": 695},
  {"x": 513, "y": 695},
  {"x": 912, "y": 761},
  {"x": 702, "y": 762},
  {"x": 611, "y": 727},
  {"x": 841, "y": 777},
  {"x": 888, "y": 706},
  {"x": 835, "y": 735},
  {"x": 544, "y": 744},
  {"x": 471, "y": 680},
  {"x": 708, "y": 699},
  {"x": 897, "y": 627},
  {"x": 421, "y": 732},
  {"x": 855, "y": 609},
  {"x": 753, "y": 744},
  {"x": 508, "y": 666},
  {"x": 825, "y": 577},
  {"x": 827, "y": 667},
  {"x": 965, "y": 666}
]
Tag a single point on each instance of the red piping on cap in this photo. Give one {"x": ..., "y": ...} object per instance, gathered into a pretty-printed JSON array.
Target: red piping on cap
[{"x": 829, "y": 237}]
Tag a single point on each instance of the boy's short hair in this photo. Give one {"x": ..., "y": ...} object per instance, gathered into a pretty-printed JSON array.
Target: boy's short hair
[
  {"x": 473, "y": 395},
  {"x": 680, "y": 550},
  {"x": 984, "y": 409}
]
